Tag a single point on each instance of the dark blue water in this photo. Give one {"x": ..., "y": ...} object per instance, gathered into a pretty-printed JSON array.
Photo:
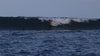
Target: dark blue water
[{"x": 50, "y": 43}]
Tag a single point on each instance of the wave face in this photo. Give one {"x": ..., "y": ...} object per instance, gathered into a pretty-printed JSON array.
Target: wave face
[
  {"x": 44, "y": 23},
  {"x": 23, "y": 23}
]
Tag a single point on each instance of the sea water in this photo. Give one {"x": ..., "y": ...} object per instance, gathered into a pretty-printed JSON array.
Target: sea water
[{"x": 50, "y": 43}]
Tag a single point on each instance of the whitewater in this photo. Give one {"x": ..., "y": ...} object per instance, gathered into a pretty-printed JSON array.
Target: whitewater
[{"x": 60, "y": 21}]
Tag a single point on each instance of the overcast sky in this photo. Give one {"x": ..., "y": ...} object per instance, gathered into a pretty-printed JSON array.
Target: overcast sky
[{"x": 51, "y": 8}]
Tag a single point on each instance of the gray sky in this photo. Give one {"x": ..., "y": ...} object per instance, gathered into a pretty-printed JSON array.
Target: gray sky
[{"x": 48, "y": 8}]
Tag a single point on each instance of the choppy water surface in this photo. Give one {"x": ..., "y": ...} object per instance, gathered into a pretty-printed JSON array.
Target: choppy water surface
[{"x": 50, "y": 43}]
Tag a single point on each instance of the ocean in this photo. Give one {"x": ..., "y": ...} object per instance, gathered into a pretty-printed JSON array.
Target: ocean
[{"x": 49, "y": 42}]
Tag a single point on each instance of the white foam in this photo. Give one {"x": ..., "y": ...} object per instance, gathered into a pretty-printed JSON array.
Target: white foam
[{"x": 59, "y": 21}]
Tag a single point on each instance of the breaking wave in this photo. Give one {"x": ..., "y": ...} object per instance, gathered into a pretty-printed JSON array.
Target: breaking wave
[{"x": 47, "y": 23}]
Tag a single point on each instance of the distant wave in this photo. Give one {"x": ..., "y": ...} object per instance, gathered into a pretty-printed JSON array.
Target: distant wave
[{"x": 47, "y": 23}]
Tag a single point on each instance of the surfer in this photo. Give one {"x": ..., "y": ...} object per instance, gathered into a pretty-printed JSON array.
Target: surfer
[{"x": 50, "y": 21}]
